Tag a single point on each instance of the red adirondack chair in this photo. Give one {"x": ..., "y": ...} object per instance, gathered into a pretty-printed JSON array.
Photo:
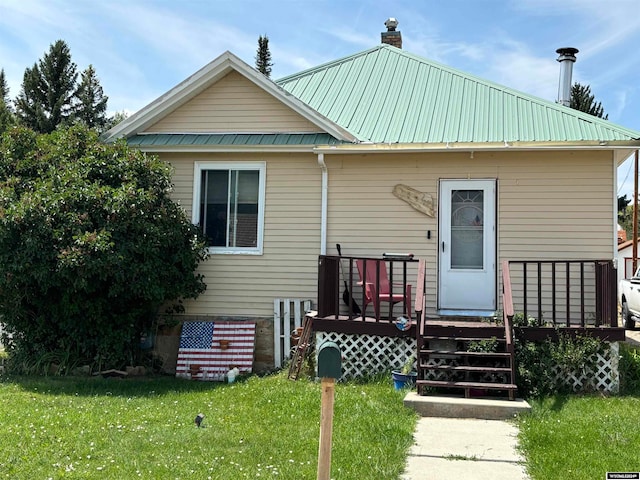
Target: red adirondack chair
[{"x": 379, "y": 290}]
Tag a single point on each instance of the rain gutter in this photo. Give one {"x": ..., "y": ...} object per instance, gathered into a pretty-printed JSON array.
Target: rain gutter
[
  {"x": 361, "y": 148},
  {"x": 323, "y": 203}
]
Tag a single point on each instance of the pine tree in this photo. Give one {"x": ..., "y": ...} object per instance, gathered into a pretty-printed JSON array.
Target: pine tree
[
  {"x": 91, "y": 104},
  {"x": 263, "y": 56},
  {"x": 48, "y": 90},
  {"x": 583, "y": 100},
  {"x": 4, "y": 89},
  {"x": 6, "y": 115}
]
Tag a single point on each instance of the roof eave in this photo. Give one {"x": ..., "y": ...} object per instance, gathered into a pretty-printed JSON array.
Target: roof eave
[
  {"x": 228, "y": 148},
  {"x": 207, "y": 76},
  {"x": 471, "y": 147}
]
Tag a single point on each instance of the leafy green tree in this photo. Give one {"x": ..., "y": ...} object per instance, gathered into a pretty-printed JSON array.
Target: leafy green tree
[
  {"x": 91, "y": 104},
  {"x": 48, "y": 90},
  {"x": 263, "y": 56},
  {"x": 583, "y": 100},
  {"x": 115, "y": 119},
  {"x": 6, "y": 115},
  {"x": 91, "y": 248},
  {"x": 623, "y": 203}
]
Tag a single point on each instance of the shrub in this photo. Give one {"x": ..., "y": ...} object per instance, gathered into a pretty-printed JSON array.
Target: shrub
[
  {"x": 629, "y": 367},
  {"x": 484, "y": 345},
  {"x": 542, "y": 366},
  {"x": 91, "y": 246}
]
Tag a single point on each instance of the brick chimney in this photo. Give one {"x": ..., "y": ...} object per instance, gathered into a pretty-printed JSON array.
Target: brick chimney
[{"x": 391, "y": 36}]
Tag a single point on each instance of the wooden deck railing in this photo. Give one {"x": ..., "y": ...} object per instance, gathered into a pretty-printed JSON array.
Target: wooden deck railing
[
  {"x": 565, "y": 292},
  {"x": 341, "y": 291}
]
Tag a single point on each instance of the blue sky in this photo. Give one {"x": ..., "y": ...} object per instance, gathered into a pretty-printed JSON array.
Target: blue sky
[{"x": 142, "y": 48}]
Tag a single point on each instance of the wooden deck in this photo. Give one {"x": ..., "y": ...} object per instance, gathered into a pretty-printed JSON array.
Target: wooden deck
[
  {"x": 449, "y": 326},
  {"x": 576, "y": 298}
]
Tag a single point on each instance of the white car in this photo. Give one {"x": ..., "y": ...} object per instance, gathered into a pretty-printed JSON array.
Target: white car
[{"x": 629, "y": 298}]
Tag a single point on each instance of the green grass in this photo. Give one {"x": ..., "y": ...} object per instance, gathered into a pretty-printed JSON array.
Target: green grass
[
  {"x": 95, "y": 428},
  {"x": 581, "y": 437}
]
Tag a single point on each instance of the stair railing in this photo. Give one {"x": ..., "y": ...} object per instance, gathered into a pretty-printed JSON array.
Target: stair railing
[
  {"x": 420, "y": 308},
  {"x": 507, "y": 316},
  {"x": 421, "y": 299}
]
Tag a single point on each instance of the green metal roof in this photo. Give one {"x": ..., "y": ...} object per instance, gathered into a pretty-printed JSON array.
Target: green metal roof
[
  {"x": 231, "y": 139},
  {"x": 386, "y": 95}
]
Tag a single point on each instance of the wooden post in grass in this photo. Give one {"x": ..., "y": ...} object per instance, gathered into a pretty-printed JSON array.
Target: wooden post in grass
[
  {"x": 326, "y": 428},
  {"x": 329, "y": 370}
]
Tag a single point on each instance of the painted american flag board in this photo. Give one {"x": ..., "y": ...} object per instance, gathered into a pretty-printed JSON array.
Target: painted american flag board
[{"x": 203, "y": 355}]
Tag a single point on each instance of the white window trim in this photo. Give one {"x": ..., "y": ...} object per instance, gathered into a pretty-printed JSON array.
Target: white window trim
[{"x": 198, "y": 168}]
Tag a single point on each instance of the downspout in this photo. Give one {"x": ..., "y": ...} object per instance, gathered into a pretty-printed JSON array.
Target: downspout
[
  {"x": 323, "y": 203},
  {"x": 634, "y": 248}
]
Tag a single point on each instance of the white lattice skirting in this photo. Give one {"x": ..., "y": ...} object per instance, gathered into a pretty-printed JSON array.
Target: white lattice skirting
[
  {"x": 364, "y": 355},
  {"x": 604, "y": 377}
]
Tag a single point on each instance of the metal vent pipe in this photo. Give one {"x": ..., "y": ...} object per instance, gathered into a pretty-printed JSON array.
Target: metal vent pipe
[{"x": 567, "y": 57}]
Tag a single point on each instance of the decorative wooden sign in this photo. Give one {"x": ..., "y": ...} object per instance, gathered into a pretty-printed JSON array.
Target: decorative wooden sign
[{"x": 420, "y": 201}]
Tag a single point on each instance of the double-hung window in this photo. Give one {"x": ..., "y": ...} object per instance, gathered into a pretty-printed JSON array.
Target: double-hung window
[{"x": 228, "y": 204}]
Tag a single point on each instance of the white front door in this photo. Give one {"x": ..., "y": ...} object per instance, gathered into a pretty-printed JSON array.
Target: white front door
[{"x": 467, "y": 267}]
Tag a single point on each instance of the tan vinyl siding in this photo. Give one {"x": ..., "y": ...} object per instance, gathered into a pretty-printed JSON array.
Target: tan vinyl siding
[
  {"x": 551, "y": 205},
  {"x": 246, "y": 285},
  {"x": 233, "y": 104},
  {"x": 561, "y": 210}
]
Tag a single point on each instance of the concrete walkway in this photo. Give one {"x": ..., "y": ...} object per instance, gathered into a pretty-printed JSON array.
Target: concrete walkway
[
  {"x": 470, "y": 449},
  {"x": 466, "y": 448},
  {"x": 633, "y": 336}
]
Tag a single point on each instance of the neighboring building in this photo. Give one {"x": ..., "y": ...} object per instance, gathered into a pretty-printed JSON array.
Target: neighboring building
[
  {"x": 278, "y": 173},
  {"x": 622, "y": 235},
  {"x": 625, "y": 259}
]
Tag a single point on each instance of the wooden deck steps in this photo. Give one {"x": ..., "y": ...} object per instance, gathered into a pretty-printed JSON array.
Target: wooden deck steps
[
  {"x": 468, "y": 356},
  {"x": 470, "y": 385},
  {"x": 467, "y": 368}
]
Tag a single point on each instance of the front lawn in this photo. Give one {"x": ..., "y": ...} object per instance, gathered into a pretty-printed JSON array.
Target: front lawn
[
  {"x": 95, "y": 428},
  {"x": 581, "y": 437}
]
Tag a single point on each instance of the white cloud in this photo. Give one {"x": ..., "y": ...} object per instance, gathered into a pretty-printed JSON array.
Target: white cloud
[
  {"x": 356, "y": 38},
  {"x": 501, "y": 59},
  {"x": 182, "y": 40},
  {"x": 521, "y": 70}
]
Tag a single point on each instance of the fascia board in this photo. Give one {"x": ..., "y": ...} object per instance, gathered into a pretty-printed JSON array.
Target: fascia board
[
  {"x": 173, "y": 98},
  {"x": 471, "y": 147}
]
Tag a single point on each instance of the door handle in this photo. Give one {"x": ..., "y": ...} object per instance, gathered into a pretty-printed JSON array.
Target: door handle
[{"x": 442, "y": 247}]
